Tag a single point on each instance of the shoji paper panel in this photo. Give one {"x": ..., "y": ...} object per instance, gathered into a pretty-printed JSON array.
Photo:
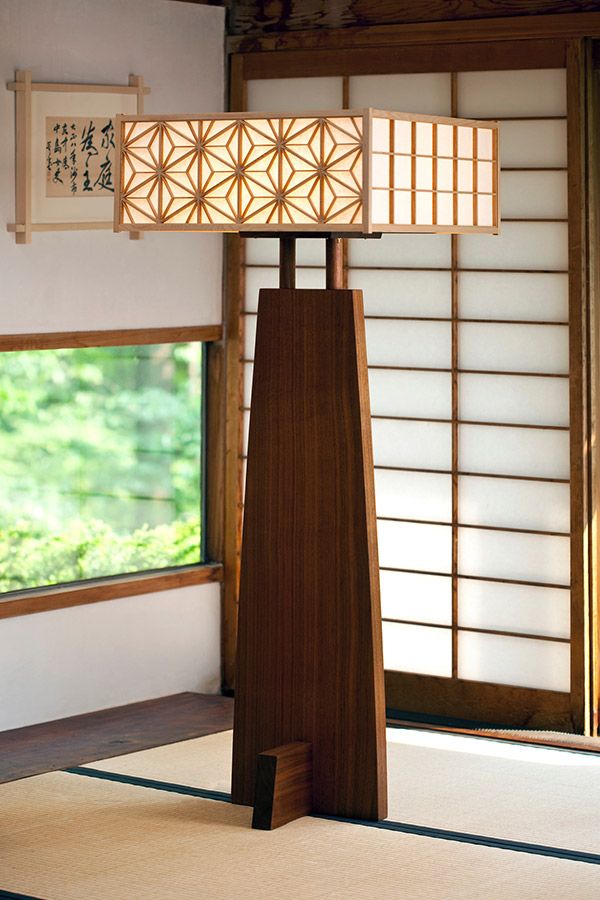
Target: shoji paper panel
[
  {"x": 520, "y": 245},
  {"x": 416, "y": 598},
  {"x": 519, "y": 661},
  {"x": 416, "y": 648},
  {"x": 265, "y": 251},
  {"x": 515, "y": 348},
  {"x": 539, "y": 144},
  {"x": 404, "y": 545},
  {"x": 417, "y": 93},
  {"x": 420, "y": 394},
  {"x": 292, "y": 95},
  {"x": 413, "y": 495},
  {"x": 420, "y": 344},
  {"x": 393, "y": 251},
  {"x": 514, "y": 295},
  {"x": 514, "y": 607},
  {"x": 534, "y": 195},
  {"x": 426, "y": 445},
  {"x": 532, "y": 452},
  {"x": 502, "y": 502},
  {"x": 521, "y": 557},
  {"x": 248, "y": 373},
  {"x": 419, "y": 293},
  {"x": 519, "y": 92},
  {"x": 516, "y": 399}
]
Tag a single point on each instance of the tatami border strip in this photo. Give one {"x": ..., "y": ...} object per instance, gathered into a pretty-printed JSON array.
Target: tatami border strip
[
  {"x": 10, "y": 895},
  {"x": 403, "y": 827}
]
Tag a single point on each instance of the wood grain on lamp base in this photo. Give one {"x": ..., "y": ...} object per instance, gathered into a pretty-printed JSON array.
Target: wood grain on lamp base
[
  {"x": 309, "y": 643},
  {"x": 283, "y": 789}
]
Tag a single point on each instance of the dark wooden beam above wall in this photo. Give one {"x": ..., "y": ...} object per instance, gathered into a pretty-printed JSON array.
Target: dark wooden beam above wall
[{"x": 257, "y": 17}]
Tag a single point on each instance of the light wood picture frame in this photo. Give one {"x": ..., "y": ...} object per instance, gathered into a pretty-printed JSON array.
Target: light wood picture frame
[{"x": 34, "y": 103}]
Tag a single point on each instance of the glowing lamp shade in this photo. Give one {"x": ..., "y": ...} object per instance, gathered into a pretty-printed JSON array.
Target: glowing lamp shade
[{"x": 347, "y": 171}]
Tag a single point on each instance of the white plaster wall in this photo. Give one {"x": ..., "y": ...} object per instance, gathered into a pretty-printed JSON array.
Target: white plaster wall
[
  {"x": 69, "y": 661},
  {"x": 76, "y": 660}
]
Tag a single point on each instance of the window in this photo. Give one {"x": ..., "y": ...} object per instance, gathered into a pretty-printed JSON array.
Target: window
[{"x": 101, "y": 453}]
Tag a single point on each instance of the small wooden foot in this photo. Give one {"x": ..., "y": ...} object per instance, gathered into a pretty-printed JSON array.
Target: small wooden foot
[{"x": 283, "y": 788}]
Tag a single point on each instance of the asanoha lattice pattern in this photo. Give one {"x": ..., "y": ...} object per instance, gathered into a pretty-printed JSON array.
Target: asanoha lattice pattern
[{"x": 227, "y": 173}]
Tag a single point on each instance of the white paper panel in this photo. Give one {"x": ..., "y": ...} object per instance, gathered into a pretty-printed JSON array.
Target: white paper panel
[
  {"x": 246, "y": 428},
  {"x": 422, "y": 344},
  {"x": 413, "y": 495},
  {"x": 419, "y": 598},
  {"x": 520, "y": 245},
  {"x": 257, "y": 278},
  {"x": 421, "y": 394},
  {"x": 417, "y": 93},
  {"x": 265, "y": 251},
  {"x": 413, "y": 250},
  {"x": 518, "y": 661},
  {"x": 539, "y": 505},
  {"x": 517, "y": 92},
  {"x": 248, "y": 373},
  {"x": 310, "y": 278},
  {"x": 509, "y": 398},
  {"x": 276, "y": 95},
  {"x": 407, "y": 546},
  {"x": 249, "y": 336},
  {"x": 539, "y": 144},
  {"x": 514, "y": 295},
  {"x": 533, "y": 195},
  {"x": 521, "y": 557},
  {"x": 514, "y": 607},
  {"x": 416, "y": 648},
  {"x": 540, "y": 453},
  {"x": 426, "y": 445},
  {"x": 403, "y": 293},
  {"x": 514, "y": 348}
]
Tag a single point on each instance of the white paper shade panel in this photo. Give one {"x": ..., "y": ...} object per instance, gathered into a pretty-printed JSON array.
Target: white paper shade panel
[
  {"x": 433, "y": 174},
  {"x": 510, "y": 345}
]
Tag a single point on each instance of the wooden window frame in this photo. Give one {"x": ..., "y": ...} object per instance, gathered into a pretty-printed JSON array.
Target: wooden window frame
[
  {"x": 559, "y": 41},
  {"x": 44, "y": 599}
]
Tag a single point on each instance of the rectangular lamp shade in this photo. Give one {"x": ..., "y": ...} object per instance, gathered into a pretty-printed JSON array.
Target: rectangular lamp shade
[{"x": 357, "y": 171}]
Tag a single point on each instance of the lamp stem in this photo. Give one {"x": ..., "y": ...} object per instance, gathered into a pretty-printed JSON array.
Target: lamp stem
[
  {"x": 334, "y": 263},
  {"x": 287, "y": 262}
]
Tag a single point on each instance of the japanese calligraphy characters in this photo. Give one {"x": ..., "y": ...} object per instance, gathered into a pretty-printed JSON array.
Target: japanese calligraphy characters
[{"x": 79, "y": 156}]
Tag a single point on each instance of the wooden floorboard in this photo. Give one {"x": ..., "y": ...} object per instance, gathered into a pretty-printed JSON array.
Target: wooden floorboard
[{"x": 111, "y": 732}]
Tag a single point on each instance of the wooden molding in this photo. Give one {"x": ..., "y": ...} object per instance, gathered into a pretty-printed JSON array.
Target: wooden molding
[
  {"x": 108, "y": 589},
  {"x": 118, "y": 337},
  {"x": 508, "y": 706},
  {"x": 561, "y": 26}
]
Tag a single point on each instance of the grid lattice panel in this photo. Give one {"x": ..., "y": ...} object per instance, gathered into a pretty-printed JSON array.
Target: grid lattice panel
[{"x": 467, "y": 343}]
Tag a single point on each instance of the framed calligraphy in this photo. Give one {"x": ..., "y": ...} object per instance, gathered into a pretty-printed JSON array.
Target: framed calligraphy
[{"x": 65, "y": 146}]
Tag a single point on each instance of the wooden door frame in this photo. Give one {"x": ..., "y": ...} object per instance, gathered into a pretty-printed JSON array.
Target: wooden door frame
[{"x": 499, "y": 44}]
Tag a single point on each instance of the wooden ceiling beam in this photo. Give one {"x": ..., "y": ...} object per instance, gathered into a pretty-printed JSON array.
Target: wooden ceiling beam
[{"x": 559, "y": 26}]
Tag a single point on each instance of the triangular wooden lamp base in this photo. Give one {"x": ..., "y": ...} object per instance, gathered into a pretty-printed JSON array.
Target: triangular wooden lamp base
[{"x": 310, "y": 669}]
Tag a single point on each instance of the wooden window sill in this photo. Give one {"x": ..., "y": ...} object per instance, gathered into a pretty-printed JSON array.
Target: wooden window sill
[{"x": 23, "y": 604}]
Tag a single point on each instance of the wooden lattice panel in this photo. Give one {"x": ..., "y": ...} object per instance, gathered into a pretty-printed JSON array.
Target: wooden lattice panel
[{"x": 360, "y": 170}]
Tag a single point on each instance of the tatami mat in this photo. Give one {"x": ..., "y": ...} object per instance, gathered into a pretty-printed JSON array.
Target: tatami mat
[
  {"x": 493, "y": 788},
  {"x": 69, "y": 837}
]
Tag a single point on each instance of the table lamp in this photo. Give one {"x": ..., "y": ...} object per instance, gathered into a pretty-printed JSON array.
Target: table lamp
[{"x": 309, "y": 726}]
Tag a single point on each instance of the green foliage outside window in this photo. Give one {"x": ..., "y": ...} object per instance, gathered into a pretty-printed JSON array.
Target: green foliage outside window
[{"x": 99, "y": 462}]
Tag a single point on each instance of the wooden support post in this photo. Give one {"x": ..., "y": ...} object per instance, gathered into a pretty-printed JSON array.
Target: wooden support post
[
  {"x": 283, "y": 790},
  {"x": 310, "y": 664},
  {"x": 287, "y": 262},
  {"x": 334, "y": 263}
]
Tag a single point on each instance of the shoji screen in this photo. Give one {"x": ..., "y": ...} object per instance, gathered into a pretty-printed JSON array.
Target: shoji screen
[{"x": 468, "y": 350}]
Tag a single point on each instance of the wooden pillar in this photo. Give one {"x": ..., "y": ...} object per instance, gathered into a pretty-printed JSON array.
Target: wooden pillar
[
  {"x": 287, "y": 262},
  {"x": 310, "y": 666}
]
